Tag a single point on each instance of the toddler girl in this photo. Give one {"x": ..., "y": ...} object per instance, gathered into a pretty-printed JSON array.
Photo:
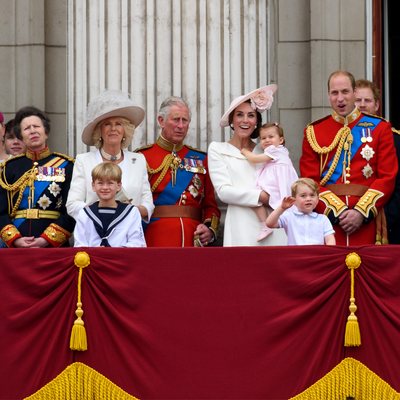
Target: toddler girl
[{"x": 276, "y": 176}]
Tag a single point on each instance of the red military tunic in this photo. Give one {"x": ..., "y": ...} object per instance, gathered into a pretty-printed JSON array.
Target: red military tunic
[
  {"x": 190, "y": 192},
  {"x": 365, "y": 183}
]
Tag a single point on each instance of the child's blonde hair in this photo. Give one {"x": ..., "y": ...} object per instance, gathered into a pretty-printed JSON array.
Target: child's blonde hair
[
  {"x": 278, "y": 128},
  {"x": 107, "y": 170},
  {"x": 305, "y": 181}
]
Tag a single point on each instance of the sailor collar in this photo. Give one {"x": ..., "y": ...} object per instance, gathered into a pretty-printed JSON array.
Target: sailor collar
[
  {"x": 168, "y": 146},
  {"x": 38, "y": 155},
  {"x": 299, "y": 214},
  {"x": 348, "y": 119}
]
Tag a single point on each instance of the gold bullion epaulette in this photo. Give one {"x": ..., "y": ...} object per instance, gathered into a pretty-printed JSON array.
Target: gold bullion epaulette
[
  {"x": 395, "y": 131},
  {"x": 317, "y": 121},
  {"x": 149, "y": 146},
  {"x": 376, "y": 116},
  {"x": 64, "y": 156},
  {"x": 10, "y": 159},
  {"x": 193, "y": 148}
]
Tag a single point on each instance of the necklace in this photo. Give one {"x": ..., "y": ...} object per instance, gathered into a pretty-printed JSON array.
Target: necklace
[{"x": 110, "y": 157}]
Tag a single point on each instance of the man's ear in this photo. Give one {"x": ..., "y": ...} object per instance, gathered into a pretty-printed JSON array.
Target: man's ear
[{"x": 160, "y": 121}]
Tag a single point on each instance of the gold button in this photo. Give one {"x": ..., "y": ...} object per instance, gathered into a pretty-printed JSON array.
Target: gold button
[
  {"x": 9, "y": 233},
  {"x": 53, "y": 234},
  {"x": 347, "y": 182},
  {"x": 183, "y": 202},
  {"x": 362, "y": 203},
  {"x": 184, "y": 196}
]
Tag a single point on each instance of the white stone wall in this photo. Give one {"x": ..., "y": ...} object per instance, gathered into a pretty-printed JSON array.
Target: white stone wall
[
  {"x": 316, "y": 38},
  {"x": 33, "y": 61},
  {"x": 207, "y": 51}
]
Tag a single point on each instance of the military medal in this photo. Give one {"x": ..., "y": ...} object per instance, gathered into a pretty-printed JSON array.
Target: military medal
[
  {"x": 363, "y": 136},
  {"x": 369, "y": 135}
]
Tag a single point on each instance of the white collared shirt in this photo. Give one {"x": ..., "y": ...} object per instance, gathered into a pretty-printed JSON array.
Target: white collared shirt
[{"x": 305, "y": 229}]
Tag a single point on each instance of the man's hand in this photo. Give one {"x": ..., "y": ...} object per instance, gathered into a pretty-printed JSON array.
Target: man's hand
[
  {"x": 350, "y": 221},
  {"x": 205, "y": 235}
]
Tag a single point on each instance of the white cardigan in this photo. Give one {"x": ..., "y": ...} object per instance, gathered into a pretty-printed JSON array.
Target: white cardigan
[
  {"x": 233, "y": 178},
  {"x": 134, "y": 181}
]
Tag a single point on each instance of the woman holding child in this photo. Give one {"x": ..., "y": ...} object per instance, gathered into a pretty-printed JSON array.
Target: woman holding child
[
  {"x": 233, "y": 176},
  {"x": 111, "y": 119}
]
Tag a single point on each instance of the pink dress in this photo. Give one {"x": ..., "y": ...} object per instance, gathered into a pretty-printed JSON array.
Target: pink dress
[{"x": 276, "y": 176}]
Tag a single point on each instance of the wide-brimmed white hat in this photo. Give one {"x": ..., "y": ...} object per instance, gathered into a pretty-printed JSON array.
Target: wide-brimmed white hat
[
  {"x": 110, "y": 103},
  {"x": 261, "y": 100}
]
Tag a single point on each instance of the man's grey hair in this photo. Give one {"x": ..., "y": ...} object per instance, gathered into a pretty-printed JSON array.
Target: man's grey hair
[{"x": 171, "y": 101}]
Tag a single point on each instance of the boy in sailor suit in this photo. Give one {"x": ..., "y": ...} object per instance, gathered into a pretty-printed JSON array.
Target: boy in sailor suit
[{"x": 107, "y": 222}]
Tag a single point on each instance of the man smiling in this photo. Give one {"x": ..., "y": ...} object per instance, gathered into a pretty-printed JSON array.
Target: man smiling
[
  {"x": 352, "y": 158},
  {"x": 186, "y": 212}
]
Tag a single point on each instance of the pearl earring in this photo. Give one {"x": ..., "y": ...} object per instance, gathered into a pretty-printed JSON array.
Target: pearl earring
[
  {"x": 255, "y": 127},
  {"x": 231, "y": 125},
  {"x": 123, "y": 138},
  {"x": 100, "y": 138}
]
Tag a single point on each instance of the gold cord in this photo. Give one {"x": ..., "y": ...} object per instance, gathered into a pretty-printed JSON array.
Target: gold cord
[
  {"x": 27, "y": 179},
  {"x": 165, "y": 165},
  {"x": 339, "y": 141}
]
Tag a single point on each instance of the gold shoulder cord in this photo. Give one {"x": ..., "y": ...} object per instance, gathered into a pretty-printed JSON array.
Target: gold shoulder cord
[
  {"x": 167, "y": 162},
  {"x": 27, "y": 179},
  {"x": 339, "y": 141}
]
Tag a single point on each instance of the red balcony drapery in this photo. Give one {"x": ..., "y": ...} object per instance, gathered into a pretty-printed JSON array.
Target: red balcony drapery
[{"x": 227, "y": 323}]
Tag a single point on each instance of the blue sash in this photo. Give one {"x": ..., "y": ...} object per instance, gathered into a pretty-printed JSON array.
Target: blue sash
[
  {"x": 355, "y": 146},
  {"x": 170, "y": 195},
  {"x": 40, "y": 187}
]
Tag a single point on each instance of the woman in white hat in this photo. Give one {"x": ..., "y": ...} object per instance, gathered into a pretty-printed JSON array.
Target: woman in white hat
[
  {"x": 233, "y": 175},
  {"x": 111, "y": 119}
]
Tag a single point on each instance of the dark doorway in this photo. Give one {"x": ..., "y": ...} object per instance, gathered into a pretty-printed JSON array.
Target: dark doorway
[{"x": 392, "y": 109}]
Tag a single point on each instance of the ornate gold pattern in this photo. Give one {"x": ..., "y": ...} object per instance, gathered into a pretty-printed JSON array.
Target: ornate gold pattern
[
  {"x": 8, "y": 233},
  {"x": 348, "y": 119},
  {"x": 38, "y": 155},
  {"x": 333, "y": 203},
  {"x": 367, "y": 202},
  {"x": 55, "y": 234},
  {"x": 168, "y": 146}
]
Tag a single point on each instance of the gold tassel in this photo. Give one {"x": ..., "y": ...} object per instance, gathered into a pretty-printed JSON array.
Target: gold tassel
[
  {"x": 78, "y": 339},
  {"x": 352, "y": 335}
]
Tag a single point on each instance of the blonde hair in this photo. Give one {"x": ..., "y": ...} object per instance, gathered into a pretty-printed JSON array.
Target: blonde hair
[
  {"x": 305, "y": 181},
  {"x": 107, "y": 170},
  {"x": 129, "y": 131},
  {"x": 278, "y": 128}
]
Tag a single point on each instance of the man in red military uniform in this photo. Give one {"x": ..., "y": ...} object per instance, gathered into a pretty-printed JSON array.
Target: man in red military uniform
[
  {"x": 352, "y": 158},
  {"x": 186, "y": 213}
]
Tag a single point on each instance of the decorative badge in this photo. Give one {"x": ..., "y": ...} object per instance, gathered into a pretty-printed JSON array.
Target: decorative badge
[
  {"x": 367, "y": 152},
  {"x": 367, "y": 171},
  {"x": 197, "y": 182},
  {"x": 44, "y": 202},
  {"x": 337, "y": 118},
  {"x": 193, "y": 191},
  {"x": 54, "y": 189}
]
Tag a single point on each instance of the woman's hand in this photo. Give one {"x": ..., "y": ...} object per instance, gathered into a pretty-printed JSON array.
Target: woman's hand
[
  {"x": 30, "y": 242},
  {"x": 143, "y": 211},
  {"x": 264, "y": 198}
]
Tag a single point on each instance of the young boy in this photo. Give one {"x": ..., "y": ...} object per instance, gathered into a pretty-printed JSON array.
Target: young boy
[
  {"x": 302, "y": 225},
  {"x": 107, "y": 222}
]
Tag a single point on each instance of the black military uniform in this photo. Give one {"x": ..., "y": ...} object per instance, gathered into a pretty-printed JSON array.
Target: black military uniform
[{"x": 33, "y": 193}]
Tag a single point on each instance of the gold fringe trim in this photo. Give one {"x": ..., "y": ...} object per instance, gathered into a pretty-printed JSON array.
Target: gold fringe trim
[
  {"x": 350, "y": 378},
  {"x": 352, "y": 337},
  {"x": 78, "y": 340},
  {"x": 78, "y": 381}
]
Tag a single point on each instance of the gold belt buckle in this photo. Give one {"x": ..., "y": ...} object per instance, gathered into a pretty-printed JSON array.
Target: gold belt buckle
[{"x": 32, "y": 213}]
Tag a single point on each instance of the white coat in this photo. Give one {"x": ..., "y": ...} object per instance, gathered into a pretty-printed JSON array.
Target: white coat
[
  {"x": 233, "y": 178},
  {"x": 134, "y": 181},
  {"x": 128, "y": 233}
]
